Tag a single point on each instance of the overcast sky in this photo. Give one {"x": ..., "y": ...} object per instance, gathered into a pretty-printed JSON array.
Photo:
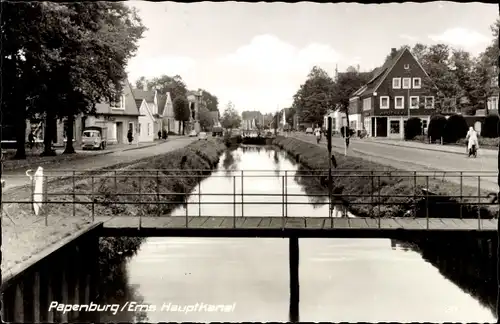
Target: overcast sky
[{"x": 257, "y": 54}]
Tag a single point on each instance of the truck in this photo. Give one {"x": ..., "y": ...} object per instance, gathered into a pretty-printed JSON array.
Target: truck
[{"x": 94, "y": 137}]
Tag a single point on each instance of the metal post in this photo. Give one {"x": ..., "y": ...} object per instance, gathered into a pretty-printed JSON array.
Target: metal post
[
  {"x": 371, "y": 196},
  {"x": 242, "y": 193},
  {"x": 140, "y": 209},
  {"x": 74, "y": 195},
  {"x": 294, "y": 279},
  {"x": 157, "y": 191},
  {"x": 461, "y": 193},
  {"x": 378, "y": 200},
  {"x": 479, "y": 202},
  {"x": 234, "y": 201},
  {"x": 286, "y": 194},
  {"x": 186, "y": 201},
  {"x": 116, "y": 184},
  {"x": 427, "y": 200},
  {"x": 282, "y": 197},
  {"x": 199, "y": 197},
  {"x": 92, "y": 197},
  {"x": 46, "y": 198},
  {"x": 414, "y": 193}
]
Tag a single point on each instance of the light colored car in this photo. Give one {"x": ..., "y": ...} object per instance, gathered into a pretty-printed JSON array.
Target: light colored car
[
  {"x": 309, "y": 130},
  {"x": 192, "y": 133},
  {"x": 93, "y": 139},
  {"x": 202, "y": 136}
]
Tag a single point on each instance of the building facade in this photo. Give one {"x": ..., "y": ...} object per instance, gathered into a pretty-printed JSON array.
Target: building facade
[{"x": 400, "y": 89}]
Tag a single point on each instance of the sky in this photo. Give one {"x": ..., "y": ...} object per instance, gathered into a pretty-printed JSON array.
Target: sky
[{"x": 257, "y": 55}]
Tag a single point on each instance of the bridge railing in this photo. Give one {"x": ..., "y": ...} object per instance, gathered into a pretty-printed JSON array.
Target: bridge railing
[{"x": 145, "y": 193}]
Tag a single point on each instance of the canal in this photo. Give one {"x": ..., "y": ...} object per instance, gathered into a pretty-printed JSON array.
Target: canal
[{"x": 352, "y": 280}]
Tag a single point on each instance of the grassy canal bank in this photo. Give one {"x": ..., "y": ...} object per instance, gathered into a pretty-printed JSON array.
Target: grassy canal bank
[
  {"x": 389, "y": 186},
  {"x": 25, "y": 235}
]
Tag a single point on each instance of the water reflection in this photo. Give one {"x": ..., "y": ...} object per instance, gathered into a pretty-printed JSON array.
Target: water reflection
[{"x": 350, "y": 280}]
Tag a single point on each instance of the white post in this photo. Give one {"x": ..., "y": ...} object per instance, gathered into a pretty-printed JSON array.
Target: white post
[{"x": 38, "y": 189}]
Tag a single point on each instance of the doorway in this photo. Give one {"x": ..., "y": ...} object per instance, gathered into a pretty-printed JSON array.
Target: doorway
[
  {"x": 381, "y": 124},
  {"x": 119, "y": 132}
]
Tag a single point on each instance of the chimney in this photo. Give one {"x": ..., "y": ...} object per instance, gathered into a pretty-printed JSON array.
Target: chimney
[{"x": 393, "y": 52}]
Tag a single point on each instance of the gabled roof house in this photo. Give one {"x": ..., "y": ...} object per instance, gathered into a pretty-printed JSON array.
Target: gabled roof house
[{"x": 398, "y": 90}]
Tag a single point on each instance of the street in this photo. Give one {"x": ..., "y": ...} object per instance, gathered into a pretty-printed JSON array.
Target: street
[
  {"x": 416, "y": 159},
  {"x": 18, "y": 178}
]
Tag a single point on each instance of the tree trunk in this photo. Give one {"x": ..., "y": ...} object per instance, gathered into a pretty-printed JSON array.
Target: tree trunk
[
  {"x": 69, "y": 135},
  {"x": 183, "y": 128},
  {"x": 48, "y": 138},
  {"x": 21, "y": 135},
  {"x": 348, "y": 125}
]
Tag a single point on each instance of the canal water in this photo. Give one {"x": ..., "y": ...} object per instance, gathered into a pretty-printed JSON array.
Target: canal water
[{"x": 353, "y": 280}]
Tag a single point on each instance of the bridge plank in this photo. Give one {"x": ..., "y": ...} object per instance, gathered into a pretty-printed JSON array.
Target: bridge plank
[
  {"x": 409, "y": 223},
  {"x": 436, "y": 223},
  {"x": 489, "y": 224},
  {"x": 228, "y": 222},
  {"x": 152, "y": 222},
  {"x": 197, "y": 221},
  {"x": 295, "y": 222},
  {"x": 422, "y": 222},
  {"x": 459, "y": 223},
  {"x": 177, "y": 222},
  {"x": 123, "y": 221},
  {"x": 277, "y": 222},
  {"x": 371, "y": 222},
  {"x": 340, "y": 222},
  {"x": 213, "y": 222},
  {"x": 471, "y": 224},
  {"x": 389, "y": 223},
  {"x": 316, "y": 222},
  {"x": 265, "y": 222},
  {"x": 251, "y": 222},
  {"x": 357, "y": 223}
]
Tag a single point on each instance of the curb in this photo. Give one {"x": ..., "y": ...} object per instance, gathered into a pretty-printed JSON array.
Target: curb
[{"x": 137, "y": 147}]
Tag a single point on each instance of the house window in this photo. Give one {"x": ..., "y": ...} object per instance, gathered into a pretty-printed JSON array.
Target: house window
[
  {"x": 429, "y": 102},
  {"x": 149, "y": 129},
  {"x": 424, "y": 126},
  {"x": 139, "y": 129},
  {"x": 494, "y": 82},
  {"x": 406, "y": 83},
  {"x": 122, "y": 102},
  {"x": 414, "y": 102},
  {"x": 367, "y": 104},
  {"x": 384, "y": 102},
  {"x": 399, "y": 102},
  {"x": 417, "y": 83},
  {"x": 396, "y": 83},
  {"x": 395, "y": 126}
]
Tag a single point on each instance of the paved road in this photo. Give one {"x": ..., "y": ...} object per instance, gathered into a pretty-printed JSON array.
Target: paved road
[
  {"x": 416, "y": 159},
  {"x": 16, "y": 178}
]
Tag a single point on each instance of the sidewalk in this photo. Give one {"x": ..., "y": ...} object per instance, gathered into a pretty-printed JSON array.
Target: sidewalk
[
  {"x": 33, "y": 160},
  {"x": 428, "y": 147}
]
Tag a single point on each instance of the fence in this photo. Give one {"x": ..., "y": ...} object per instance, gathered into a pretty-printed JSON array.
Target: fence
[{"x": 156, "y": 192}]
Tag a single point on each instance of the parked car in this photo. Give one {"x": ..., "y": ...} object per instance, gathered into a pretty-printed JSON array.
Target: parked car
[
  {"x": 193, "y": 133},
  {"x": 202, "y": 136},
  {"x": 309, "y": 130},
  {"x": 94, "y": 138}
]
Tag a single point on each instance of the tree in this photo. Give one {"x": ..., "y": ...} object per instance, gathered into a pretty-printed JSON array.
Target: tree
[
  {"x": 230, "y": 117},
  {"x": 175, "y": 85},
  {"x": 313, "y": 99},
  {"x": 205, "y": 118},
  {"x": 345, "y": 85},
  {"x": 413, "y": 128},
  {"x": 490, "y": 127},
  {"x": 455, "y": 128},
  {"x": 181, "y": 111},
  {"x": 210, "y": 101},
  {"x": 289, "y": 114},
  {"x": 436, "y": 62},
  {"x": 436, "y": 127},
  {"x": 463, "y": 70}
]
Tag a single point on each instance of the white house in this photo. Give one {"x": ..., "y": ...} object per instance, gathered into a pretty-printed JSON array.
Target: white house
[
  {"x": 339, "y": 119},
  {"x": 167, "y": 116},
  {"x": 151, "y": 98},
  {"x": 146, "y": 122}
]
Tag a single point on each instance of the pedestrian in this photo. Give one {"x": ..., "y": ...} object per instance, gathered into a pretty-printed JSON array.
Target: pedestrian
[
  {"x": 31, "y": 140},
  {"x": 164, "y": 134},
  {"x": 471, "y": 140},
  {"x": 130, "y": 136},
  {"x": 159, "y": 134},
  {"x": 318, "y": 135}
]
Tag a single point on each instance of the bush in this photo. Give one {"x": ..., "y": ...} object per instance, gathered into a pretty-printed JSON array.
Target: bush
[
  {"x": 490, "y": 127},
  {"x": 413, "y": 128},
  {"x": 455, "y": 128},
  {"x": 436, "y": 127}
]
